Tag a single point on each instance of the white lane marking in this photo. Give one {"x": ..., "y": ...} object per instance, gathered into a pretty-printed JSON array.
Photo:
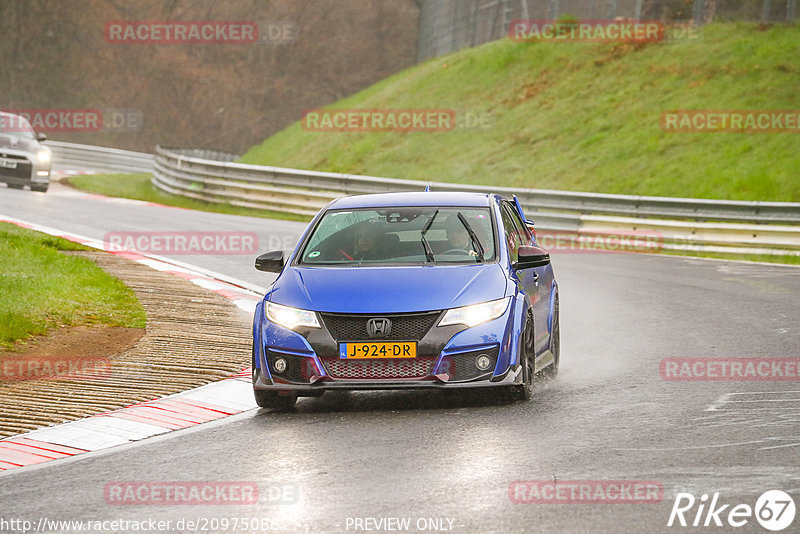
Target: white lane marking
[
  {"x": 246, "y": 305},
  {"x": 234, "y": 394},
  {"x": 718, "y": 403},
  {"x": 728, "y": 411},
  {"x": 745, "y": 405},
  {"x": 763, "y": 400},
  {"x": 783, "y": 446},
  {"x": 784, "y": 392},
  {"x": 696, "y": 447},
  {"x": 77, "y": 435},
  {"x": 123, "y": 428}
]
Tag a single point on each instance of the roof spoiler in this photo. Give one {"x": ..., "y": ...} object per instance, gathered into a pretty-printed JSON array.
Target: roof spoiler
[
  {"x": 528, "y": 222},
  {"x": 521, "y": 213}
]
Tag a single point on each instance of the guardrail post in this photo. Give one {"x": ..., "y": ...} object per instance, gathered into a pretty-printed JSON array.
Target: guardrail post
[
  {"x": 553, "y": 9},
  {"x": 612, "y": 9},
  {"x": 766, "y": 11},
  {"x": 697, "y": 12}
]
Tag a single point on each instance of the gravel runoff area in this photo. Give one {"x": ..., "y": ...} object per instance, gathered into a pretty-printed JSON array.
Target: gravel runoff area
[{"x": 193, "y": 336}]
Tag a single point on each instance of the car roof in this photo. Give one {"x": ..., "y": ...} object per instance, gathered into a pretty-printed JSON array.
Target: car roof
[{"x": 419, "y": 198}]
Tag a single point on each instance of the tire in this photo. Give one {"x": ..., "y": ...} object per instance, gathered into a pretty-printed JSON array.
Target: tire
[
  {"x": 271, "y": 399},
  {"x": 555, "y": 346},
  {"x": 15, "y": 186},
  {"x": 524, "y": 391},
  {"x": 39, "y": 188}
]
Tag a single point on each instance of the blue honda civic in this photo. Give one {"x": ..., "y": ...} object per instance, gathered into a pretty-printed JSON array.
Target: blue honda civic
[{"x": 407, "y": 290}]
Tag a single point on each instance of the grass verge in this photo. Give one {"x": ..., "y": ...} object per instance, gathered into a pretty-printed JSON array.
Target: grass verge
[
  {"x": 580, "y": 117},
  {"x": 43, "y": 288},
  {"x": 786, "y": 259},
  {"x": 138, "y": 187}
]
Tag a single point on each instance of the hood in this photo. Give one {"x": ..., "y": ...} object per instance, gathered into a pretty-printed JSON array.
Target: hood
[
  {"x": 388, "y": 289},
  {"x": 18, "y": 144}
]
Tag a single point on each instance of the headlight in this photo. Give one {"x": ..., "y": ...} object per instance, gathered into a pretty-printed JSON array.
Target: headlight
[
  {"x": 475, "y": 314},
  {"x": 289, "y": 317},
  {"x": 43, "y": 156}
]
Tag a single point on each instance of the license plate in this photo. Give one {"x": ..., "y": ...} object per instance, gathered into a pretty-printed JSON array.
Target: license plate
[
  {"x": 8, "y": 163},
  {"x": 404, "y": 349}
]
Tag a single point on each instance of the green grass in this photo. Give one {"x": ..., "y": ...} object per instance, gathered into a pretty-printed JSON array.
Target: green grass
[
  {"x": 582, "y": 117},
  {"x": 43, "y": 288},
  {"x": 139, "y": 187},
  {"x": 787, "y": 259}
]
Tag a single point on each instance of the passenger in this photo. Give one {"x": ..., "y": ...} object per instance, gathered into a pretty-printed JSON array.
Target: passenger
[{"x": 367, "y": 244}]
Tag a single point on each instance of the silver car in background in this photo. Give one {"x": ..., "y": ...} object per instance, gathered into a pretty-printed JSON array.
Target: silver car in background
[{"x": 23, "y": 159}]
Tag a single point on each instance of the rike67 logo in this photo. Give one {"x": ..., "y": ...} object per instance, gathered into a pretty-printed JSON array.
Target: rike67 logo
[{"x": 774, "y": 510}]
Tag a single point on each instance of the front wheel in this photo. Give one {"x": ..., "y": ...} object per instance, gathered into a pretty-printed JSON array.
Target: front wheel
[
  {"x": 39, "y": 188},
  {"x": 524, "y": 391},
  {"x": 271, "y": 399}
]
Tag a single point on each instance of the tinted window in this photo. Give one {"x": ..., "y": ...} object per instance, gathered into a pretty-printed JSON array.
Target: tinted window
[
  {"x": 511, "y": 231},
  {"x": 385, "y": 236},
  {"x": 522, "y": 229}
]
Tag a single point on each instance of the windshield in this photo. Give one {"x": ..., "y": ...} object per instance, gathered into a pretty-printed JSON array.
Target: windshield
[
  {"x": 401, "y": 235},
  {"x": 16, "y": 125}
]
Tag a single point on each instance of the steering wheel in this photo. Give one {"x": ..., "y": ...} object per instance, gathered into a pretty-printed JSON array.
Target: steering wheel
[{"x": 460, "y": 251}]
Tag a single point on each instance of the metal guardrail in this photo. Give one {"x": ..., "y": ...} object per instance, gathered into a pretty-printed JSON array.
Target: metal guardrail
[
  {"x": 683, "y": 223},
  {"x": 75, "y": 156}
]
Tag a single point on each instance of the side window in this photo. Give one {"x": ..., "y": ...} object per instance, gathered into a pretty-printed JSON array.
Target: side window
[
  {"x": 522, "y": 228},
  {"x": 511, "y": 233}
]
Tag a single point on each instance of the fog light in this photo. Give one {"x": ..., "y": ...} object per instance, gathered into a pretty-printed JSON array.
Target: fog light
[
  {"x": 279, "y": 365},
  {"x": 483, "y": 362}
]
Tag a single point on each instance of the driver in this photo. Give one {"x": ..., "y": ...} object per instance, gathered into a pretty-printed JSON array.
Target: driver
[{"x": 457, "y": 237}]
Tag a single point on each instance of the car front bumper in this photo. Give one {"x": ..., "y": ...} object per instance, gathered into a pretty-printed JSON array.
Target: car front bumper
[
  {"x": 447, "y": 359},
  {"x": 28, "y": 170}
]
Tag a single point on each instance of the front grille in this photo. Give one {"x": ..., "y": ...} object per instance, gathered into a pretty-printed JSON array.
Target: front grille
[
  {"x": 409, "y": 327},
  {"x": 379, "y": 368},
  {"x": 23, "y": 170}
]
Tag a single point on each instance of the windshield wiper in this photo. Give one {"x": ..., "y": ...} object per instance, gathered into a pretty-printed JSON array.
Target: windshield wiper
[
  {"x": 425, "y": 245},
  {"x": 473, "y": 236}
]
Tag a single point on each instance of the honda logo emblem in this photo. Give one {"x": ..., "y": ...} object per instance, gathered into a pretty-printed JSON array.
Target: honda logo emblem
[{"x": 380, "y": 327}]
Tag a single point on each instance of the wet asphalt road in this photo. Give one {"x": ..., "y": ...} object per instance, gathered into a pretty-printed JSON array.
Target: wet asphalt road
[{"x": 451, "y": 459}]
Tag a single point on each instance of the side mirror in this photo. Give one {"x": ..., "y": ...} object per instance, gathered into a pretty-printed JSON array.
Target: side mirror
[
  {"x": 41, "y": 136},
  {"x": 530, "y": 256},
  {"x": 271, "y": 262}
]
